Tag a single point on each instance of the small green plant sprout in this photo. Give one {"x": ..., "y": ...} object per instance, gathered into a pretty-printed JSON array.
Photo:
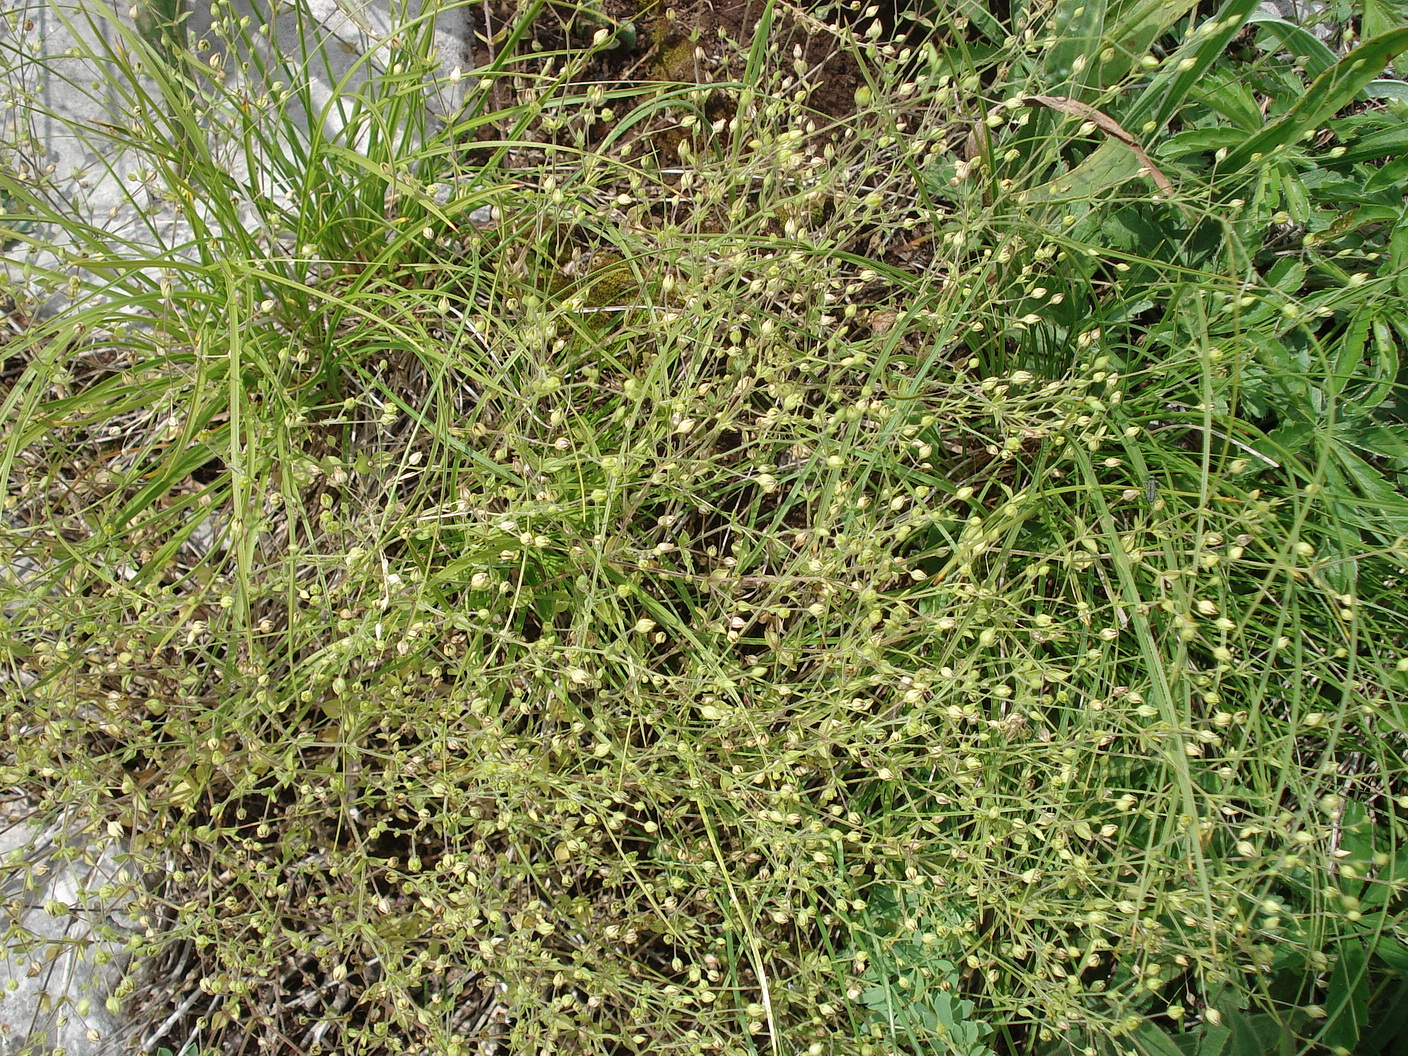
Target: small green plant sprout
[{"x": 912, "y": 982}]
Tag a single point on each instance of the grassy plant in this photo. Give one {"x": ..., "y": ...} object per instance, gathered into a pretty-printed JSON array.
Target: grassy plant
[{"x": 643, "y": 567}]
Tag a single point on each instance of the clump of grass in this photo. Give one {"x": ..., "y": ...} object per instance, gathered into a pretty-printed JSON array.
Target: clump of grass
[{"x": 870, "y": 622}]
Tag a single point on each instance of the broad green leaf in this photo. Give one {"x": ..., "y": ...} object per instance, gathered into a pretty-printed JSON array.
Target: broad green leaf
[
  {"x": 1366, "y": 498},
  {"x": 1347, "y": 998},
  {"x": 1109, "y": 166},
  {"x": 1215, "y": 1039},
  {"x": 1388, "y": 180},
  {"x": 1208, "y": 1040},
  {"x": 1398, "y": 255},
  {"x": 1149, "y": 1040},
  {"x": 1379, "y": 16},
  {"x": 1357, "y": 833},
  {"x": 1105, "y": 168},
  {"x": 978, "y": 13},
  {"x": 1383, "y": 441},
  {"x": 1381, "y": 889},
  {"x": 1334, "y": 89},
  {"x": 1388, "y": 1024},
  {"x": 1286, "y": 275},
  {"x": 1261, "y": 1035},
  {"x": 1350, "y": 354},
  {"x": 1132, "y": 28},
  {"x": 1383, "y": 367},
  {"x": 1225, "y": 93},
  {"x": 1392, "y": 953},
  {"x": 1076, "y": 31}
]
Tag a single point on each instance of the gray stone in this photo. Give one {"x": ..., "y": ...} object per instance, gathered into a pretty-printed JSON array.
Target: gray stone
[
  {"x": 1311, "y": 15},
  {"x": 64, "y": 896},
  {"x": 54, "y": 108}
]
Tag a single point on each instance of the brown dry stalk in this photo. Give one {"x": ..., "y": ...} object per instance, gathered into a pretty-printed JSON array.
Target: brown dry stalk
[{"x": 1075, "y": 108}]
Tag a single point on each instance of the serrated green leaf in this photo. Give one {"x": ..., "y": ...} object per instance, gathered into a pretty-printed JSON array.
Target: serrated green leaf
[
  {"x": 1200, "y": 141},
  {"x": 1382, "y": 441},
  {"x": 1366, "y": 498}
]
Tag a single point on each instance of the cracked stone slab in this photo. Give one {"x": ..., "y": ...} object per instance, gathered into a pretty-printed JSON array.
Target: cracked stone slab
[{"x": 64, "y": 897}]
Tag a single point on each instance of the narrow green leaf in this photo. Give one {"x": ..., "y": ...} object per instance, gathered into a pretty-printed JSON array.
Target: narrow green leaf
[
  {"x": 1387, "y": 89},
  {"x": 1181, "y": 72},
  {"x": 1295, "y": 39},
  {"x": 190, "y": 459}
]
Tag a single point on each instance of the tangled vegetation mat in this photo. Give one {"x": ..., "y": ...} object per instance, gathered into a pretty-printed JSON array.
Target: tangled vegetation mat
[{"x": 769, "y": 530}]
